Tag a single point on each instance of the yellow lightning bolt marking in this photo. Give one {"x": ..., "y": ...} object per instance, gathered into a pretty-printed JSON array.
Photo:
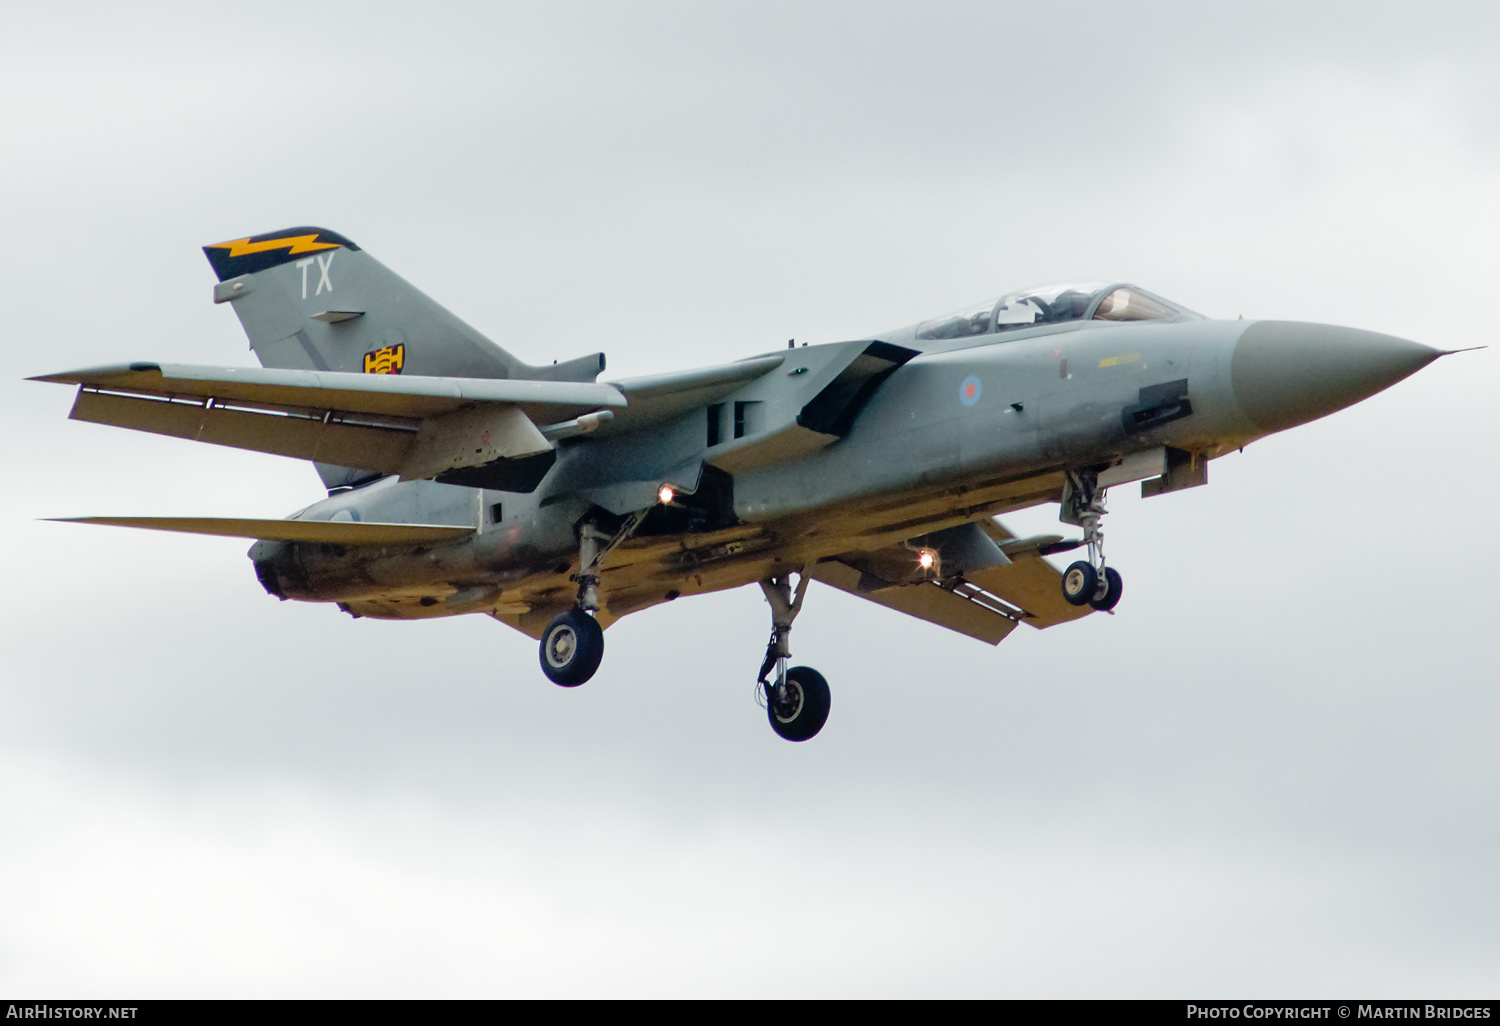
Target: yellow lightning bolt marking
[{"x": 294, "y": 245}]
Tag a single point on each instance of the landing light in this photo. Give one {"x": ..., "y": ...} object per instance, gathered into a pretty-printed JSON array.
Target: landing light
[
  {"x": 666, "y": 495},
  {"x": 925, "y": 559}
]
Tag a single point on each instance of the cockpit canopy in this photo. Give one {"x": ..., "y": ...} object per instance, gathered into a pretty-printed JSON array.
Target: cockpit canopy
[{"x": 1054, "y": 304}]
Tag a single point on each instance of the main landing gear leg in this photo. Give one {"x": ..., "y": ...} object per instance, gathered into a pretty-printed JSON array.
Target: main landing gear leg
[
  {"x": 1088, "y": 582},
  {"x": 797, "y": 702},
  {"x": 573, "y": 643}
]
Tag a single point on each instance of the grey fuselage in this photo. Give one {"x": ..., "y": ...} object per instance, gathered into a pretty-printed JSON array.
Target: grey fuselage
[{"x": 962, "y": 429}]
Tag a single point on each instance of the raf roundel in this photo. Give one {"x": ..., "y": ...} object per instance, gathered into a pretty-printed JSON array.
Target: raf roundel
[{"x": 969, "y": 391}]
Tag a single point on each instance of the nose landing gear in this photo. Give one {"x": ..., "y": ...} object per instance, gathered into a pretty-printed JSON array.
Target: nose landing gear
[
  {"x": 1088, "y": 582},
  {"x": 797, "y": 703}
]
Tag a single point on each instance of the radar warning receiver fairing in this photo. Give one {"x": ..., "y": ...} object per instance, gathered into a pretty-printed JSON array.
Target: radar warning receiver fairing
[{"x": 461, "y": 480}]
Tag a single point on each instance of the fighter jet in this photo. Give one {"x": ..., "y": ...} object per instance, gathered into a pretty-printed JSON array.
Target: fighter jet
[{"x": 461, "y": 480}]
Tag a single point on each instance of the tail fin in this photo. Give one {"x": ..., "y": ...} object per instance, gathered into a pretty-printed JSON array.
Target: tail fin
[{"x": 310, "y": 299}]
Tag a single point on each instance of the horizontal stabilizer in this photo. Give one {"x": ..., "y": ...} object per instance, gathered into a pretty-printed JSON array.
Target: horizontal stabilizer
[{"x": 339, "y": 532}]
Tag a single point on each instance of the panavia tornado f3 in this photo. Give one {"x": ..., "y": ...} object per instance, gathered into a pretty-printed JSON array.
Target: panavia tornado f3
[{"x": 461, "y": 480}]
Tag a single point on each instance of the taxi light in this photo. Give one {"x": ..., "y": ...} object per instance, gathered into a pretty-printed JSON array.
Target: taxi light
[
  {"x": 666, "y": 495},
  {"x": 926, "y": 559}
]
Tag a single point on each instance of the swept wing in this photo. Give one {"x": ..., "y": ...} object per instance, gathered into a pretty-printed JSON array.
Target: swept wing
[{"x": 417, "y": 427}]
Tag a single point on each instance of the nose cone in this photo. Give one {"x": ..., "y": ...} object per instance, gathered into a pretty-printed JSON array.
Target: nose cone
[{"x": 1287, "y": 373}]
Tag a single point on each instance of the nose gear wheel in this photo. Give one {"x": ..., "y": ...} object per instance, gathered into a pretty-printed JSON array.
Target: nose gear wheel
[
  {"x": 1079, "y": 583},
  {"x": 1088, "y": 582},
  {"x": 1107, "y": 592}
]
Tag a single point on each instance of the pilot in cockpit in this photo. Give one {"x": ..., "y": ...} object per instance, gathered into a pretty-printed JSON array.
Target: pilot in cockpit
[
  {"x": 1019, "y": 313},
  {"x": 1053, "y": 304},
  {"x": 1069, "y": 305}
]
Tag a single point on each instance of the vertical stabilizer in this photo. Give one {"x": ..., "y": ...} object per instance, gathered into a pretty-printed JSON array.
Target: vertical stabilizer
[{"x": 310, "y": 299}]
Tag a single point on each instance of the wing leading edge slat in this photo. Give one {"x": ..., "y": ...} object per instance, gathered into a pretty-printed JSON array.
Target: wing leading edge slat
[{"x": 382, "y": 394}]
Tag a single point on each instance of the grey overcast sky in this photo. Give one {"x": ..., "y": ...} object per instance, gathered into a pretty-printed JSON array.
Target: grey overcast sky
[{"x": 1273, "y": 773}]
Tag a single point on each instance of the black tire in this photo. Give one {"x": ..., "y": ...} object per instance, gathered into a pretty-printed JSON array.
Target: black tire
[
  {"x": 571, "y": 648},
  {"x": 1107, "y": 592},
  {"x": 807, "y": 709},
  {"x": 1079, "y": 582}
]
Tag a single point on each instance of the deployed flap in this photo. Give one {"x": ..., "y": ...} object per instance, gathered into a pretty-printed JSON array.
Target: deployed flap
[
  {"x": 375, "y": 443},
  {"x": 927, "y": 601},
  {"x": 418, "y": 427},
  {"x": 1030, "y": 582},
  {"x": 982, "y": 591},
  {"x": 1032, "y": 585},
  {"x": 339, "y": 532}
]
